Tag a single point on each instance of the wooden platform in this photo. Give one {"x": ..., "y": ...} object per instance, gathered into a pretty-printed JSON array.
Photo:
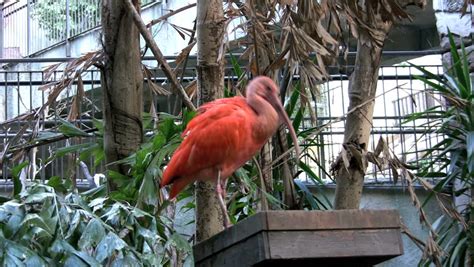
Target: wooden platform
[{"x": 305, "y": 238}]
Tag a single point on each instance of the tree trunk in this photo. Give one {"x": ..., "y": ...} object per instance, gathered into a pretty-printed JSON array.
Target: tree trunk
[
  {"x": 122, "y": 82},
  {"x": 351, "y": 165},
  {"x": 210, "y": 70}
]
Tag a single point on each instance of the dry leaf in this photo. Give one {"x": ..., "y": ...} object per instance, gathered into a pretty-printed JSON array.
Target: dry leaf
[
  {"x": 74, "y": 112},
  {"x": 191, "y": 89}
]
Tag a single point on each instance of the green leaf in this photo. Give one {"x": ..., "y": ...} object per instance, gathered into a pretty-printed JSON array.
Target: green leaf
[
  {"x": 118, "y": 178},
  {"x": 458, "y": 71},
  {"x": 34, "y": 220},
  {"x": 57, "y": 183},
  {"x": 236, "y": 66},
  {"x": 73, "y": 224},
  {"x": 470, "y": 151},
  {"x": 60, "y": 152},
  {"x": 61, "y": 247},
  {"x": 310, "y": 173},
  {"x": 92, "y": 235},
  {"x": 74, "y": 261},
  {"x": 188, "y": 115},
  {"x": 16, "y": 171},
  {"x": 97, "y": 203},
  {"x": 108, "y": 246},
  {"x": 70, "y": 130},
  {"x": 168, "y": 128},
  {"x": 38, "y": 197},
  {"x": 291, "y": 104},
  {"x": 99, "y": 124},
  {"x": 307, "y": 195},
  {"x": 159, "y": 140},
  {"x": 460, "y": 247},
  {"x": 180, "y": 242}
]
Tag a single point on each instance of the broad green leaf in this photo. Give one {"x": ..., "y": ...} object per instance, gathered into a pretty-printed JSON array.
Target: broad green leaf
[
  {"x": 57, "y": 183},
  {"x": 70, "y": 130},
  {"x": 99, "y": 124},
  {"x": 74, "y": 261},
  {"x": 97, "y": 203},
  {"x": 35, "y": 260},
  {"x": 108, "y": 245},
  {"x": 38, "y": 197},
  {"x": 34, "y": 220},
  {"x": 16, "y": 171},
  {"x": 92, "y": 235},
  {"x": 180, "y": 242},
  {"x": 61, "y": 247},
  {"x": 60, "y": 152},
  {"x": 73, "y": 224}
]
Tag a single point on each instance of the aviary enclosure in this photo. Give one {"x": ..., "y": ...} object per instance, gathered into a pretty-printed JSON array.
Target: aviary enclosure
[{"x": 87, "y": 135}]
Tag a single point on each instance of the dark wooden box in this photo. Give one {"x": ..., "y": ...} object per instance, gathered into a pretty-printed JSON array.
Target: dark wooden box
[{"x": 305, "y": 238}]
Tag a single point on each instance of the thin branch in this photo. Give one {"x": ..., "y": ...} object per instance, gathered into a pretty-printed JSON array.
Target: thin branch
[
  {"x": 164, "y": 17},
  {"x": 158, "y": 55}
]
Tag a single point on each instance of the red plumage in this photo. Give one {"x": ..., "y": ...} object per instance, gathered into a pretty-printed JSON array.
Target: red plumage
[
  {"x": 219, "y": 137},
  {"x": 224, "y": 135}
]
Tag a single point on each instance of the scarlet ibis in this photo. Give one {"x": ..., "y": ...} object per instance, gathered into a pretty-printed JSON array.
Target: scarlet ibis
[{"x": 224, "y": 135}]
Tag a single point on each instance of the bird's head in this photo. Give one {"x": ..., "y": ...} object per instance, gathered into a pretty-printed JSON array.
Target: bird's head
[{"x": 266, "y": 89}]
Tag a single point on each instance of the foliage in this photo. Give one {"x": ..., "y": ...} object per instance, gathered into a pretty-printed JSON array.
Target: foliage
[
  {"x": 452, "y": 160},
  {"x": 83, "y": 15},
  {"x": 132, "y": 225},
  {"x": 42, "y": 228},
  {"x": 52, "y": 16}
]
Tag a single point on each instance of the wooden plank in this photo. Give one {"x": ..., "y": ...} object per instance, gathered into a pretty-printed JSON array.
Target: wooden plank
[
  {"x": 248, "y": 252},
  {"x": 274, "y": 238},
  {"x": 337, "y": 219},
  {"x": 334, "y": 244},
  {"x": 231, "y": 236}
]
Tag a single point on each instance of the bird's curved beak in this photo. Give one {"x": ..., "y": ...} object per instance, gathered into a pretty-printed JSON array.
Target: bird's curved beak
[{"x": 281, "y": 111}]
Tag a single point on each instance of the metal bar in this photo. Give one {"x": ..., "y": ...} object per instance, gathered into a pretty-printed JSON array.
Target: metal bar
[
  {"x": 237, "y": 55},
  {"x": 28, "y": 27},
  {"x": 1, "y": 30},
  {"x": 68, "y": 30}
]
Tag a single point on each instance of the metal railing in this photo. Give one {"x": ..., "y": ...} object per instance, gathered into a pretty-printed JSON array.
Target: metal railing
[
  {"x": 30, "y": 26},
  {"x": 399, "y": 94}
]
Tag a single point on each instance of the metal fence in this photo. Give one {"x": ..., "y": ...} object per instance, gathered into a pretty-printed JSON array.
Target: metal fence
[
  {"x": 29, "y": 26},
  {"x": 399, "y": 95}
]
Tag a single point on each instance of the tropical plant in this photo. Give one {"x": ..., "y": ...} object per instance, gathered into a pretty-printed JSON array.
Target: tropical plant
[
  {"x": 451, "y": 160},
  {"x": 132, "y": 225},
  {"x": 43, "y": 228}
]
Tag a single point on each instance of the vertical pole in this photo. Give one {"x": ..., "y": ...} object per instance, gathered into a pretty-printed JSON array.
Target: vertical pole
[
  {"x": 28, "y": 27},
  {"x": 68, "y": 30},
  {"x": 1, "y": 30}
]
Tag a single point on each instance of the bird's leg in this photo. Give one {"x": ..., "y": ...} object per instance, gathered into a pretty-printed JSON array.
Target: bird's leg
[{"x": 220, "y": 190}]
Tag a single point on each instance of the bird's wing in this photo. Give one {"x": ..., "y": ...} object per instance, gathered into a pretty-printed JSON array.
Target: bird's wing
[{"x": 210, "y": 138}]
